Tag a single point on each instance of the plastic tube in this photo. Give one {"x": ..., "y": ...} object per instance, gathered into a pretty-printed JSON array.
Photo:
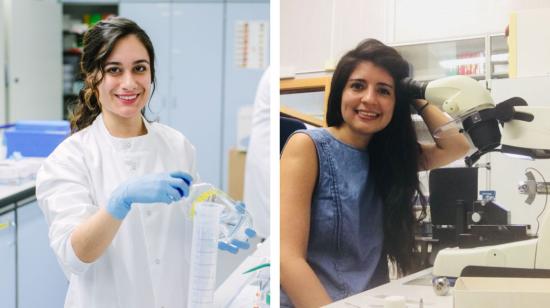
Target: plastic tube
[
  {"x": 204, "y": 253},
  {"x": 236, "y": 225}
]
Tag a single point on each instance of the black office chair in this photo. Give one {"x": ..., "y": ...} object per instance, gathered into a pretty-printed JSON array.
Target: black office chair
[{"x": 288, "y": 126}]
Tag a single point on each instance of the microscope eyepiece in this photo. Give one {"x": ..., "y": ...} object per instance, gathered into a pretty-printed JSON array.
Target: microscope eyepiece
[{"x": 414, "y": 89}]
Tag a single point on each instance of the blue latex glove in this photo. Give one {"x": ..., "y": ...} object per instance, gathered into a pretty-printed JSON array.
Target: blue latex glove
[
  {"x": 239, "y": 225},
  {"x": 153, "y": 188}
]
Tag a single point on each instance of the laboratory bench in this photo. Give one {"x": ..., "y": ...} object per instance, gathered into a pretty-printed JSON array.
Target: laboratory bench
[
  {"x": 412, "y": 287},
  {"x": 29, "y": 273}
]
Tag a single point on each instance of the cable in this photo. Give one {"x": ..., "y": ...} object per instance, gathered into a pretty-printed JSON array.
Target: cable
[
  {"x": 472, "y": 159},
  {"x": 541, "y": 212},
  {"x": 545, "y": 200}
]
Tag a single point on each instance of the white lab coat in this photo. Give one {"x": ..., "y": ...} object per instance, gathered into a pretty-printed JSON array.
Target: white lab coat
[
  {"x": 256, "y": 180},
  {"x": 147, "y": 263}
]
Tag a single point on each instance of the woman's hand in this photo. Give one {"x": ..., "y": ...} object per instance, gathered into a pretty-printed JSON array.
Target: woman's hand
[
  {"x": 153, "y": 188},
  {"x": 445, "y": 150}
]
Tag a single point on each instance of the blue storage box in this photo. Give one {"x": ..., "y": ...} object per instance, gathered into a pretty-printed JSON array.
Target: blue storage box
[{"x": 35, "y": 138}]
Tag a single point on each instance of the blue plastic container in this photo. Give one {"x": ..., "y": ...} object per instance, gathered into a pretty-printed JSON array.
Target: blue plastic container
[{"x": 35, "y": 138}]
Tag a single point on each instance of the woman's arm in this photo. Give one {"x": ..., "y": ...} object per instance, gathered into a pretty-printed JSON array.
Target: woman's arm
[
  {"x": 93, "y": 236},
  {"x": 299, "y": 170},
  {"x": 445, "y": 150}
]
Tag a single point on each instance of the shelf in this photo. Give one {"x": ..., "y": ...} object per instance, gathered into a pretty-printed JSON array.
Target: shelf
[
  {"x": 77, "y": 18},
  {"x": 467, "y": 56},
  {"x": 306, "y": 118},
  {"x": 305, "y": 99}
]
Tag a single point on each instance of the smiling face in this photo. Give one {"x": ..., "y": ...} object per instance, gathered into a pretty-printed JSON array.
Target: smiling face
[
  {"x": 126, "y": 84},
  {"x": 368, "y": 100}
]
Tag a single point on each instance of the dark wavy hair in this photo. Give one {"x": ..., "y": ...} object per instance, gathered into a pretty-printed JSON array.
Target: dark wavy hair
[
  {"x": 394, "y": 151},
  {"x": 98, "y": 43}
]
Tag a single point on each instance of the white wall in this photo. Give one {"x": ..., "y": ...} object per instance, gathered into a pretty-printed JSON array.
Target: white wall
[
  {"x": 2, "y": 68},
  {"x": 533, "y": 43},
  {"x": 305, "y": 34},
  {"x": 438, "y": 19},
  {"x": 314, "y": 32}
]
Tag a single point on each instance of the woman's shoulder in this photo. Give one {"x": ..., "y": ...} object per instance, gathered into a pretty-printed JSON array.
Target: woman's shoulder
[
  {"x": 313, "y": 134},
  {"x": 300, "y": 143},
  {"x": 72, "y": 145},
  {"x": 170, "y": 136},
  {"x": 69, "y": 154}
]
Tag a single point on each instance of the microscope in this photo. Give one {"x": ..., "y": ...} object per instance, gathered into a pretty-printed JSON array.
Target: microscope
[{"x": 510, "y": 127}]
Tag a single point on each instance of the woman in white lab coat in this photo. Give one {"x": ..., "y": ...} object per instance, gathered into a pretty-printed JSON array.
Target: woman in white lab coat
[{"x": 106, "y": 190}]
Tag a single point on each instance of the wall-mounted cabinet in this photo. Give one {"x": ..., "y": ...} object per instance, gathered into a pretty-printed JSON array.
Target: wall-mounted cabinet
[
  {"x": 33, "y": 66},
  {"x": 200, "y": 83},
  {"x": 481, "y": 58}
]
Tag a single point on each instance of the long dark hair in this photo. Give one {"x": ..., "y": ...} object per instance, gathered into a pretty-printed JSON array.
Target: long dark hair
[
  {"x": 394, "y": 151},
  {"x": 98, "y": 43}
]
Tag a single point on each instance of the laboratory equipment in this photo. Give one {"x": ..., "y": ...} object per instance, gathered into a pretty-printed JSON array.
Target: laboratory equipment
[
  {"x": 524, "y": 133},
  {"x": 441, "y": 285},
  {"x": 460, "y": 220},
  {"x": 236, "y": 225},
  {"x": 204, "y": 254},
  {"x": 18, "y": 171},
  {"x": 248, "y": 283},
  {"x": 261, "y": 282},
  {"x": 394, "y": 301},
  {"x": 531, "y": 187},
  {"x": 452, "y": 192},
  {"x": 35, "y": 138}
]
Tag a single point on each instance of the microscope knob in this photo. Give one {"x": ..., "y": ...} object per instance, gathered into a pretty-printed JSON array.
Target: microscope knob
[
  {"x": 476, "y": 217},
  {"x": 441, "y": 285},
  {"x": 450, "y": 107}
]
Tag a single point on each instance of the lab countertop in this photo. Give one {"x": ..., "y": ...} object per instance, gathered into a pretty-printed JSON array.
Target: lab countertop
[
  {"x": 10, "y": 194},
  {"x": 413, "y": 287}
]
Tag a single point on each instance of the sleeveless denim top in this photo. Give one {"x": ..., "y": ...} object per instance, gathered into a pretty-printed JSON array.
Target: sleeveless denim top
[{"x": 346, "y": 233}]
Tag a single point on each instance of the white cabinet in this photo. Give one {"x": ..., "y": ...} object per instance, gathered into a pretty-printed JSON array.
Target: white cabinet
[
  {"x": 41, "y": 282},
  {"x": 30, "y": 275},
  {"x": 188, "y": 46},
  {"x": 7, "y": 259},
  {"x": 34, "y": 59},
  {"x": 316, "y": 33},
  {"x": 483, "y": 57},
  {"x": 427, "y": 20}
]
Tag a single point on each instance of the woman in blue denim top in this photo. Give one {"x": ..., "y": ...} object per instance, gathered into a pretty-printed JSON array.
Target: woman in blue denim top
[{"x": 347, "y": 191}]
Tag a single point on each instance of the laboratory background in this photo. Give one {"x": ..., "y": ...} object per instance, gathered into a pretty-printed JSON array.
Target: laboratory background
[
  {"x": 496, "y": 210},
  {"x": 210, "y": 57}
]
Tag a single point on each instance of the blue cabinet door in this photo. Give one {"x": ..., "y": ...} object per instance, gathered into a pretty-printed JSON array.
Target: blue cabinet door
[
  {"x": 41, "y": 282},
  {"x": 197, "y": 70},
  {"x": 200, "y": 88},
  {"x": 7, "y": 260},
  {"x": 188, "y": 41},
  {"x": 154, "y": 18}
]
